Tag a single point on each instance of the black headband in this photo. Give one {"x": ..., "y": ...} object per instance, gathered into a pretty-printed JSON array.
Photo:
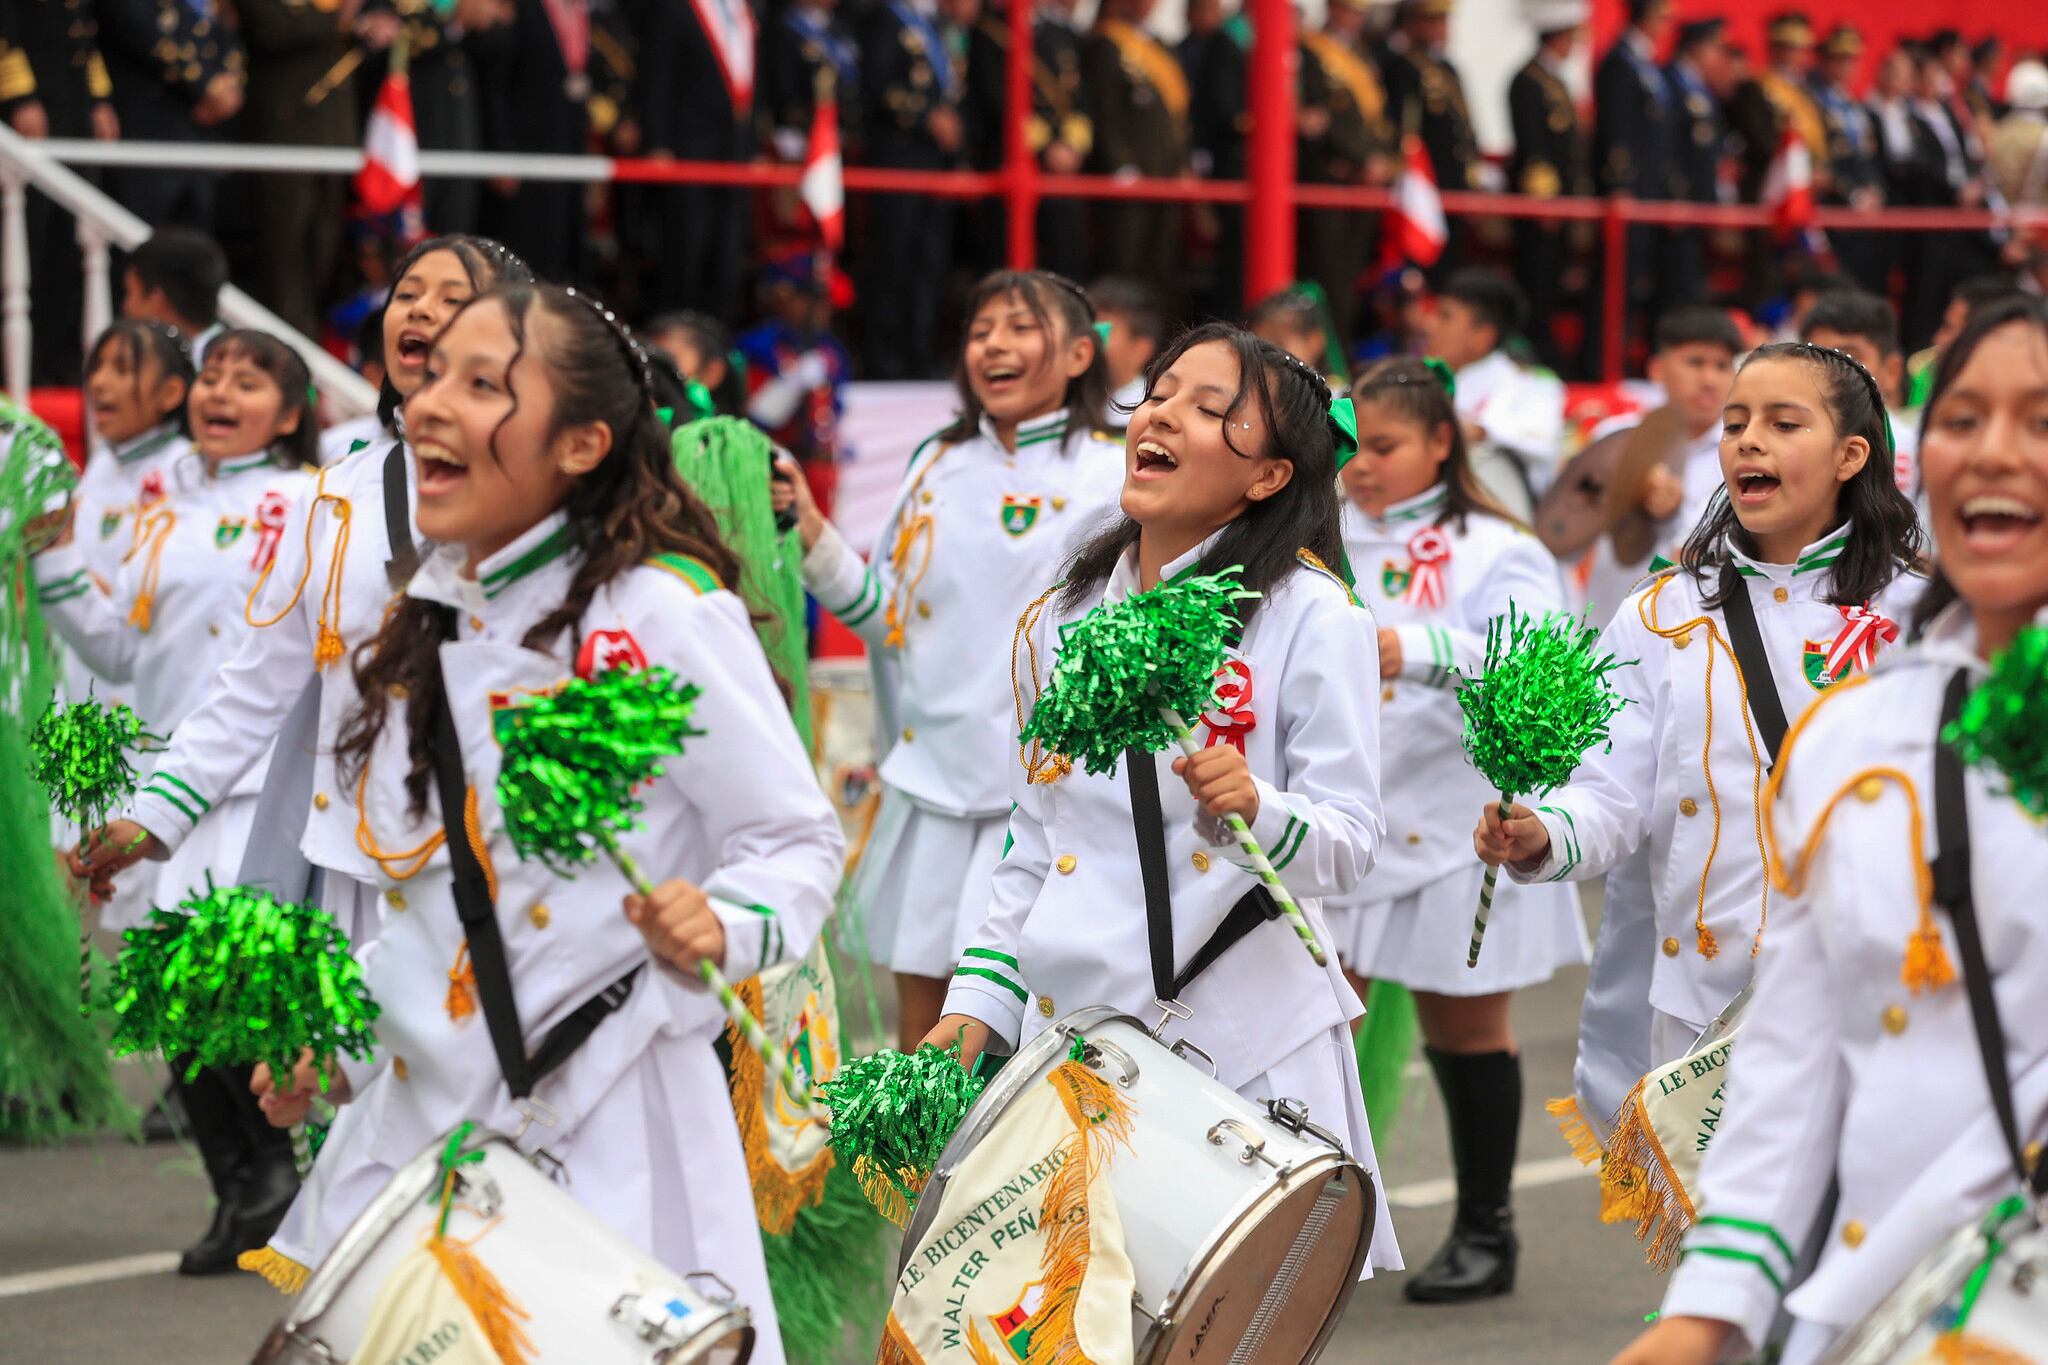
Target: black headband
[{"x": 1884, "y": 415}]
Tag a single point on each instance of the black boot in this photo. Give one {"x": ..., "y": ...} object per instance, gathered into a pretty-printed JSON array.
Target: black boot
[
  {"x": 1483, "y": 1103},
  {"x": 271, "y": 1179},
  {"x": 166, "y": 1121},
  {"x": 216, "y": 1127}
]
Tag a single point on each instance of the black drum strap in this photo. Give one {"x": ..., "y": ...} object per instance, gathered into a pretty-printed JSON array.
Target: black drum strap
[
  {"x": 1765, "y": 706},
  {"x": 1953, "y": 892},
  {"x": 1255, "y": 907},
  {"x": 405, "y": 555},
  {"x": 473, "y": 905}
]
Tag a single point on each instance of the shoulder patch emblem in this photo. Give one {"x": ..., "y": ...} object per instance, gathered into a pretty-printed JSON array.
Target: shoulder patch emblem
[
  {"x": 605, "y": 650},
  {"x": 1020, "y": 514},
  {"x": 693, "y": 571}
]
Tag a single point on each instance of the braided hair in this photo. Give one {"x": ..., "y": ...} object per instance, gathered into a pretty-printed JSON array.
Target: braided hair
[
  {"x": 631, "y": 507},
  {"x": 1884, "y": 531}
]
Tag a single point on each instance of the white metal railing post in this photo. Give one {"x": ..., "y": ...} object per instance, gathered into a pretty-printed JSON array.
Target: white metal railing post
[
  {"x": 99, "y": 300},
  {"x": 16, "y": 340}
]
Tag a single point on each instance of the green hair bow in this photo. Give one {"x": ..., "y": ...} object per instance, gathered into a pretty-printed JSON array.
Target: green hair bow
[
  {"x": 1443, "y": 375},
  {"x": 1344, "y": 427}
]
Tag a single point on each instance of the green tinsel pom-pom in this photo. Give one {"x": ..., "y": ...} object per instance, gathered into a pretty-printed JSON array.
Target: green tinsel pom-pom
[
  {"x": 1541, "y": 701},
  {"x": 893, "y": 1114},
  {"x": 1122, "y": 662},
  {"x": 234, "y": 976},
  {"x": 572, "y": 759},
  {"x": 80, "y": 755},
  {"x": 2002, "y": 723}
]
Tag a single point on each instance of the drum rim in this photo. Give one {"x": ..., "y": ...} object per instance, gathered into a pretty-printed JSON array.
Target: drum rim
[
  {"x": 1009, "y": 1083},
  {"x": 1948, "y": 1264},
  {"x": 1195, "y": 1275}
]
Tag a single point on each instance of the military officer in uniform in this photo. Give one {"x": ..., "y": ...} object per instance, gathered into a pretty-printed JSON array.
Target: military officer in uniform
[
  {"x": 1426, "y": 97},
  {"x": 1136, "y": 97},
  {"x": 1056, "y": 130},
  {"x": 911, "y": 93},
  {"x": 535, "y": 75},
  {"x": 178, "y": 74},
  {"x": 447, "y": 107},
  {"x": 1763, "y": 108},
  {"x": 1551, "y": 157},
  {"x": 1358, "y": 145},
  {"x": 795, "y": 50},
  {"x": 1635, "y": 142},
  {"x": 1855, "y": 165},
  {"x": 1699, "y": 74}
]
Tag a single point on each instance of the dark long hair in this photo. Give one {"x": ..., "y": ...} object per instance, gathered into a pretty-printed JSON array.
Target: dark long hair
[
  {"x": 1408, "y": 386},
  {"x": 631, "y": 507},
  {"x": 1986, "y": 319},
  {"x": 145, "y": 341},
  {"x": 1884, "y": 531},
  {"x": 1295, "y": 403},
  {"x": 485, "y": 261},
  {"x": 1064, "y": 312},
  {"x": 299, "y": 448}
]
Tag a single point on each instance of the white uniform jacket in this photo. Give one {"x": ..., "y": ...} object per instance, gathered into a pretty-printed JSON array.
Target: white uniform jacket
[
  {"x": 118, "y": 484},
  {"x": 1521, "y": 409},
  {"x": 329, "y": 584},
  {"x": 1685, "y": 769},
  {"x": 976, "y": 532},
  {"x": 1484, "y": 567},
  {"x": 739, "y": 813},
  {"x": 172, "y": 614},
  {"x": 1066, "y": 921},
  {"x": 1844, "y": 1073}
]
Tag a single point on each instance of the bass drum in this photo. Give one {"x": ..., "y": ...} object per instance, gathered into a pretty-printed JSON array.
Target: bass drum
[
  {"x": 589, "y": 1296},
  {"x": 1246, "y": 1224},
  {"x": 2005, "y": 1323}
]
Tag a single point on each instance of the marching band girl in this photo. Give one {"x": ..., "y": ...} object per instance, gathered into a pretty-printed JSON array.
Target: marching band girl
[
  {"x": 1437, "y": 559},
  {"x": 326, "y": 594},
  {"x": 1230, "y": 463},
  {"x": 1793, "y": 581},
  {"x": 1861, "y": 1064},
  {"x": 564, "y": 544},
  {"x": 172, "y": 619},
  {"x": 989, "y": 508}
]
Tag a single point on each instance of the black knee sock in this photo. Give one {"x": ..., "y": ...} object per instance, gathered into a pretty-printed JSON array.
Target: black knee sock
[{"x": 1483, "y": 1107}]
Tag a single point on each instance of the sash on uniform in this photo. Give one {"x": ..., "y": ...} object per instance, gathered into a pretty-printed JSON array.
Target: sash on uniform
[
  {"x": 1161, "y": 70},
  {"x": 729, "y": 29}
]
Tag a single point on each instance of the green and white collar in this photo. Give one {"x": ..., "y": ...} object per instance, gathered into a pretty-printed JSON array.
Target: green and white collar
[
  {"x": 1813, "y": 559},
  {"x": 1049, "y": 429},
  {"x": 1123, "y": 579},
  {"x": 1427, "y": 503},
  {"x": 229, "y": 468},
  {"x": 542, "y": 544},
  {"x": 148, "y": 443}
]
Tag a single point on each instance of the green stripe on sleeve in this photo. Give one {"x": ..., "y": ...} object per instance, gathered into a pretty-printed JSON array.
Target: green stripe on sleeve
[
  {"x": 1730, "y": 1254},
  {"x": 993, "y": 956},
  {"x": 1300, "y": 835},
  {"x": 1746, "y": 1225},
  {"x": 155, "y": 790},
  {"x": 864, "y": 603},
  {"x": 996, "y": 977},
  {"x": 182, "y": 785}
]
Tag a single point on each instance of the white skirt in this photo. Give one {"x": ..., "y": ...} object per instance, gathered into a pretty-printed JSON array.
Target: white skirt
[
  {"x": 922, "y": 886},
  {"x": 1323, "y": 1074},
  {"x": 1421, "y": 940}
]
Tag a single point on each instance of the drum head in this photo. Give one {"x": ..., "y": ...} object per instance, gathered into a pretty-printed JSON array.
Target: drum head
[{"x": 1272, "y": 1288}]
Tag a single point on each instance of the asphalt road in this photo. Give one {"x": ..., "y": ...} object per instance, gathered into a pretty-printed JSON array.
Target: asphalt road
[{"x": 87, "y": 1232}]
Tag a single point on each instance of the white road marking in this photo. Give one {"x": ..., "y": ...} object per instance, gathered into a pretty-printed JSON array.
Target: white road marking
[
  {"x": 92, "y": 1272},
  {"x": 1424, "y": 1194}
]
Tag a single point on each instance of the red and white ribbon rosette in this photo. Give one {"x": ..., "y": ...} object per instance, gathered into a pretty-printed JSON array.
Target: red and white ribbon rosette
[
  {"x": 1429, "y": 554},
  {"x": 271, "y": 515},
  {"x": 1230, "y": 718},
  {"x": 1856, "y": 645}
]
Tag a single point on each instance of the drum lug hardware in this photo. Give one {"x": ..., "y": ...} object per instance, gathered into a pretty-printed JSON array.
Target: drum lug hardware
[
  {"x": 1254, "y": 1143},
  {"x": 1293, "y": 1116},
  {"x": 1170, "y": 1010},
  {"x": 1105, "y": 1051},
  {"x": 649, "y": 1318},
  {"x": 532, "y": 1111},
  {"x": 1138, "y": 1307},
  {"x": 550, "y": 1165},
  {"x": 725, "y": 1291},
  {"x": 481, "y": 1195},
  {"x": 1187, "y": 1051}
]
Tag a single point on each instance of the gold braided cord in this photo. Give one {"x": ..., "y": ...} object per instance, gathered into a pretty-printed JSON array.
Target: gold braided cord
[
  {"x": 911, "y": 527},
  {"x": 402, "y": 865},
  {"x": 327, "y": 646},
  {"x": 1039, "y": 767},
  {"x": 153, "y": 528}
]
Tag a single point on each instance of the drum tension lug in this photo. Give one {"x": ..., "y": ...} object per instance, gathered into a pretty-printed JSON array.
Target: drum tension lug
[
  {"x": 1138, "y": 1307},
  {"x": 1293, "y": 1116}
]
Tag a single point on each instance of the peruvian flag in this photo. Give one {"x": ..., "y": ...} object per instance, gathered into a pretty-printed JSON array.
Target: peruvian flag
[
  {"x": 823, "y": 186},
  {"x": 1788, "y": 188},
  {"x": 390, "y": 178},
  {"x": 1415, "y": 221}
]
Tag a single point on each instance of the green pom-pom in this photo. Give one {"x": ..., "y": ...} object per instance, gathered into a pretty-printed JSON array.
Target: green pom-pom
[
  {"x": 893, "y": 1114},
  {"x": 80, "y": 755},
  {"x": 235, "y": 976},
  {"x": 2002, "y": 723},
  {"x": 1122, "y": 662},
  {"x": 1540, "y": 703},
  {"x": 572, "y": 760}
]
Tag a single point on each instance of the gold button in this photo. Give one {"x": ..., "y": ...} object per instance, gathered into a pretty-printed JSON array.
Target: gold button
[
  {"x": 1045, "y": 1005},
  {"x": 2031, "y": 1155},
  {"x": 925, "y": 496},
  {"x": 1671, "y": 947},
  {"x": 1059, "y": 504},
  {"x": 212, "y": 629},
  {"x": 1067, "y": 863},
  {"x": 924, "y": 610},
  {"x": 1682, "y": 641},
  {"x": 1414, "y": 838},
  {"x": 1780, "y": 595},
  {"x": 398, "y": 1067},
  {"x": 319, "y": 800},
  {"x": 1688, "y": 807},
  {"x": 397, "y": 692},
  {"x": 476, "y": 623},
  {"x": 1893, "y": 1019},
  {"x": 538, "y": 916},
  {"x": 1852, "y": 1234},
  {"x": 1870, "y": 788},
  {"x": 908, "y": 734},
  {"x": 396, "y": 898},
  {"x": 1201, "y": 861},
  {"x": 1387, "y": 692}
]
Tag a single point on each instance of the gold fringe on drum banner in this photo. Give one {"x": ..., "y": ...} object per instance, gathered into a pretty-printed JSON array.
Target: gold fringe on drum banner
[
  {"x": 1959, "y": 1348},
  {"x": 1102, "y": 1122},
  {"x": 285, "y": 1275},
  {"x": 779, "y": 1194},
  {"x": 1576, "y": 1131},
  {"x": 1637, "y": 1182},
  {"x": 486, "y": 1297}
]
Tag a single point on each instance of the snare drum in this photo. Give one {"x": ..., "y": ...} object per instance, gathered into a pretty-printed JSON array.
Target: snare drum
[
  {"x": 2008, "y": 1321},
  {"x": 590, "y": 1297},
  {"x": 1246, "y": 1224}
]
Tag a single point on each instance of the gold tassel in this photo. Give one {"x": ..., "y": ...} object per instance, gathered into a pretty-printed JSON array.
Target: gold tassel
[
  {"x": 887, "y": 1199},
  {"x": 1710, "y": 947},
  {"x": 1960, "y": 1348},
  {"x": 486, "y": 1297},
  {"x": 1926, "y": 966},
  {"x": 1050, "y": 769},
  {"x": 327, "y": 648},
  {"x": 139, "y": 615},
  {"x": 1102, "y": 1121},
  {"x": 1577, "y": 1132},
  {"x": 153, "y": 529},
  {"x": 461, "y": 1002},
  {"x": 1636, "y": 1181},
  {"x": 284, "y": 1274},
  {"x": 894, "y": 639},
  {"x": 779, "y": 1194}
]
